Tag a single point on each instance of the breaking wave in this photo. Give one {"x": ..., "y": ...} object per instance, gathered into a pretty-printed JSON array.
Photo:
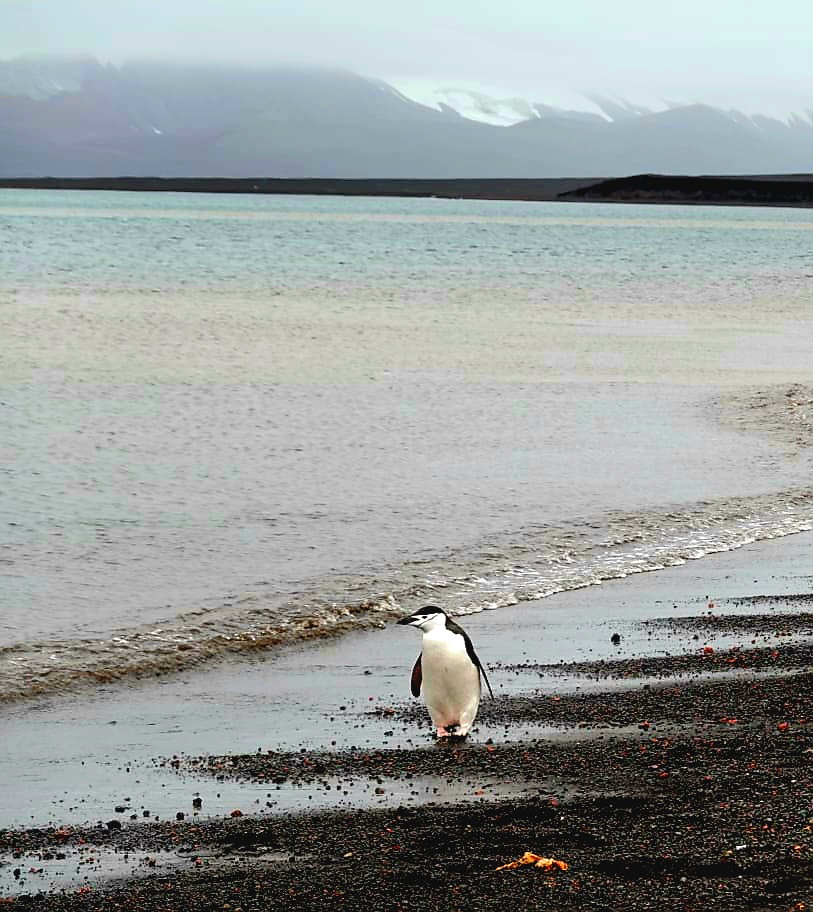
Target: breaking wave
[{"x": 532, "y": 564}]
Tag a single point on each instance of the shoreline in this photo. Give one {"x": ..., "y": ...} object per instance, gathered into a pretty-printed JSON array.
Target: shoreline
[
  {"x": 520, "y": 189},
  {"x": 771, "y": 191},
  {"x": 144, "y": 653},
  {"x": 654, "y": 789},
  {"x": 699, "y": 807},
  {"x": 313, "y": 693}
]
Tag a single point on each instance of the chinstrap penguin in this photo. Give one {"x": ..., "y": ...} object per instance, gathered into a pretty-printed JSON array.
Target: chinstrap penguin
[{"x": 447, "y": 672}]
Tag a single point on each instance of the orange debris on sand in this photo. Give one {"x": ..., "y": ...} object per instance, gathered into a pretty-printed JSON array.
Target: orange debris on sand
[{"x": 538, "y": 861}]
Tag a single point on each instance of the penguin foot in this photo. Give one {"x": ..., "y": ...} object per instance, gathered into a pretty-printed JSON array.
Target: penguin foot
[{"x": 454, "y": 732}]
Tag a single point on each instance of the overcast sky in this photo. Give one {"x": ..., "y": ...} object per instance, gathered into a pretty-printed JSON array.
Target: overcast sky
[{"x": 757, "y": 56}]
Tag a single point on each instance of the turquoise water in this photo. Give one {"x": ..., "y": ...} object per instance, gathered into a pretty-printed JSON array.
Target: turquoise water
[
  {"x": 230, "y": 418},
  {"x": 176, "y": 241}
]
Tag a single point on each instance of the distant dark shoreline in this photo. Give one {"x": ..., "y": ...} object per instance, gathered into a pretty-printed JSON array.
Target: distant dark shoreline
[
  {"x": 757, "y": 190},
  {"x": 541, "y": 189}
]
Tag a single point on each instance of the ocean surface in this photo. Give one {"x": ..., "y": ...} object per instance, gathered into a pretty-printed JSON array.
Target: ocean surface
[{"x": 229, "y": 422}]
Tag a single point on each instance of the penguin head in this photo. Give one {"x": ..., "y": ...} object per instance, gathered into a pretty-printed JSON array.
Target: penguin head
[{"x": 427, "y": 618}]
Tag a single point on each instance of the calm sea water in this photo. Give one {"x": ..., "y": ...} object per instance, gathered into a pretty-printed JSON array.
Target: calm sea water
[{"x": 229, "y": 421}]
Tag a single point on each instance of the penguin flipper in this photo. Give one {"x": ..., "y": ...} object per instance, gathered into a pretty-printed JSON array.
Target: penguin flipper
[{"x": 417, "y": 678}]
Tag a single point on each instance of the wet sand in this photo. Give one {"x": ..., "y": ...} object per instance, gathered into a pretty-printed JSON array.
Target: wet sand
[
  {"x": 671, "y": 771},
  {"x": 694, "y": 810}
]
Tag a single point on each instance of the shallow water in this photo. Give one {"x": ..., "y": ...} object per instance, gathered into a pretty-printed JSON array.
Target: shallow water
[{"x": 228, "y": 421}]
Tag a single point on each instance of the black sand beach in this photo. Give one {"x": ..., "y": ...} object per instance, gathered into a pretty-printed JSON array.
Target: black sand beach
[{"x": 690, "y": 793}]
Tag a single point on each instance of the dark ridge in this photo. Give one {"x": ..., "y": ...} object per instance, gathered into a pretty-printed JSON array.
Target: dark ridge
[
  {"x": 776, "y": 190},
  {"x": 531, "y": 189}
]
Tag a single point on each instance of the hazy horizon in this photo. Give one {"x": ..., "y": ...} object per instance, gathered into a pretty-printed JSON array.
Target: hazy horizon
[{"x": 699, "y": 53}]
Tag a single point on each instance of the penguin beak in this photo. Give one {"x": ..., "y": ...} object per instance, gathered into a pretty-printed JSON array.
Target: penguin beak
[{"x": 409, "y": 620}]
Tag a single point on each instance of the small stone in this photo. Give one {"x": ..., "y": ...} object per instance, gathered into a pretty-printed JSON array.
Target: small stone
[
  {"x": 615, "y": 639},
  {"x": 236, "y": 813},
  {"x": 113, "y": 824},
  {"x": 180, "y": 815},
  {"x": 197, "y": 803}
]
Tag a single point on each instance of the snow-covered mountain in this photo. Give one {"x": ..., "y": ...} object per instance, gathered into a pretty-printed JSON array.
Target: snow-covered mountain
[
  {"x": 488, "y": 107},
  {"x": 81, "y": 118},
  {"x": 501, "y": 110}
]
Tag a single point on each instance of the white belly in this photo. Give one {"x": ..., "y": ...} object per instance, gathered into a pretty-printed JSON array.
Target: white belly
[{"x": 451, "y": 682}]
